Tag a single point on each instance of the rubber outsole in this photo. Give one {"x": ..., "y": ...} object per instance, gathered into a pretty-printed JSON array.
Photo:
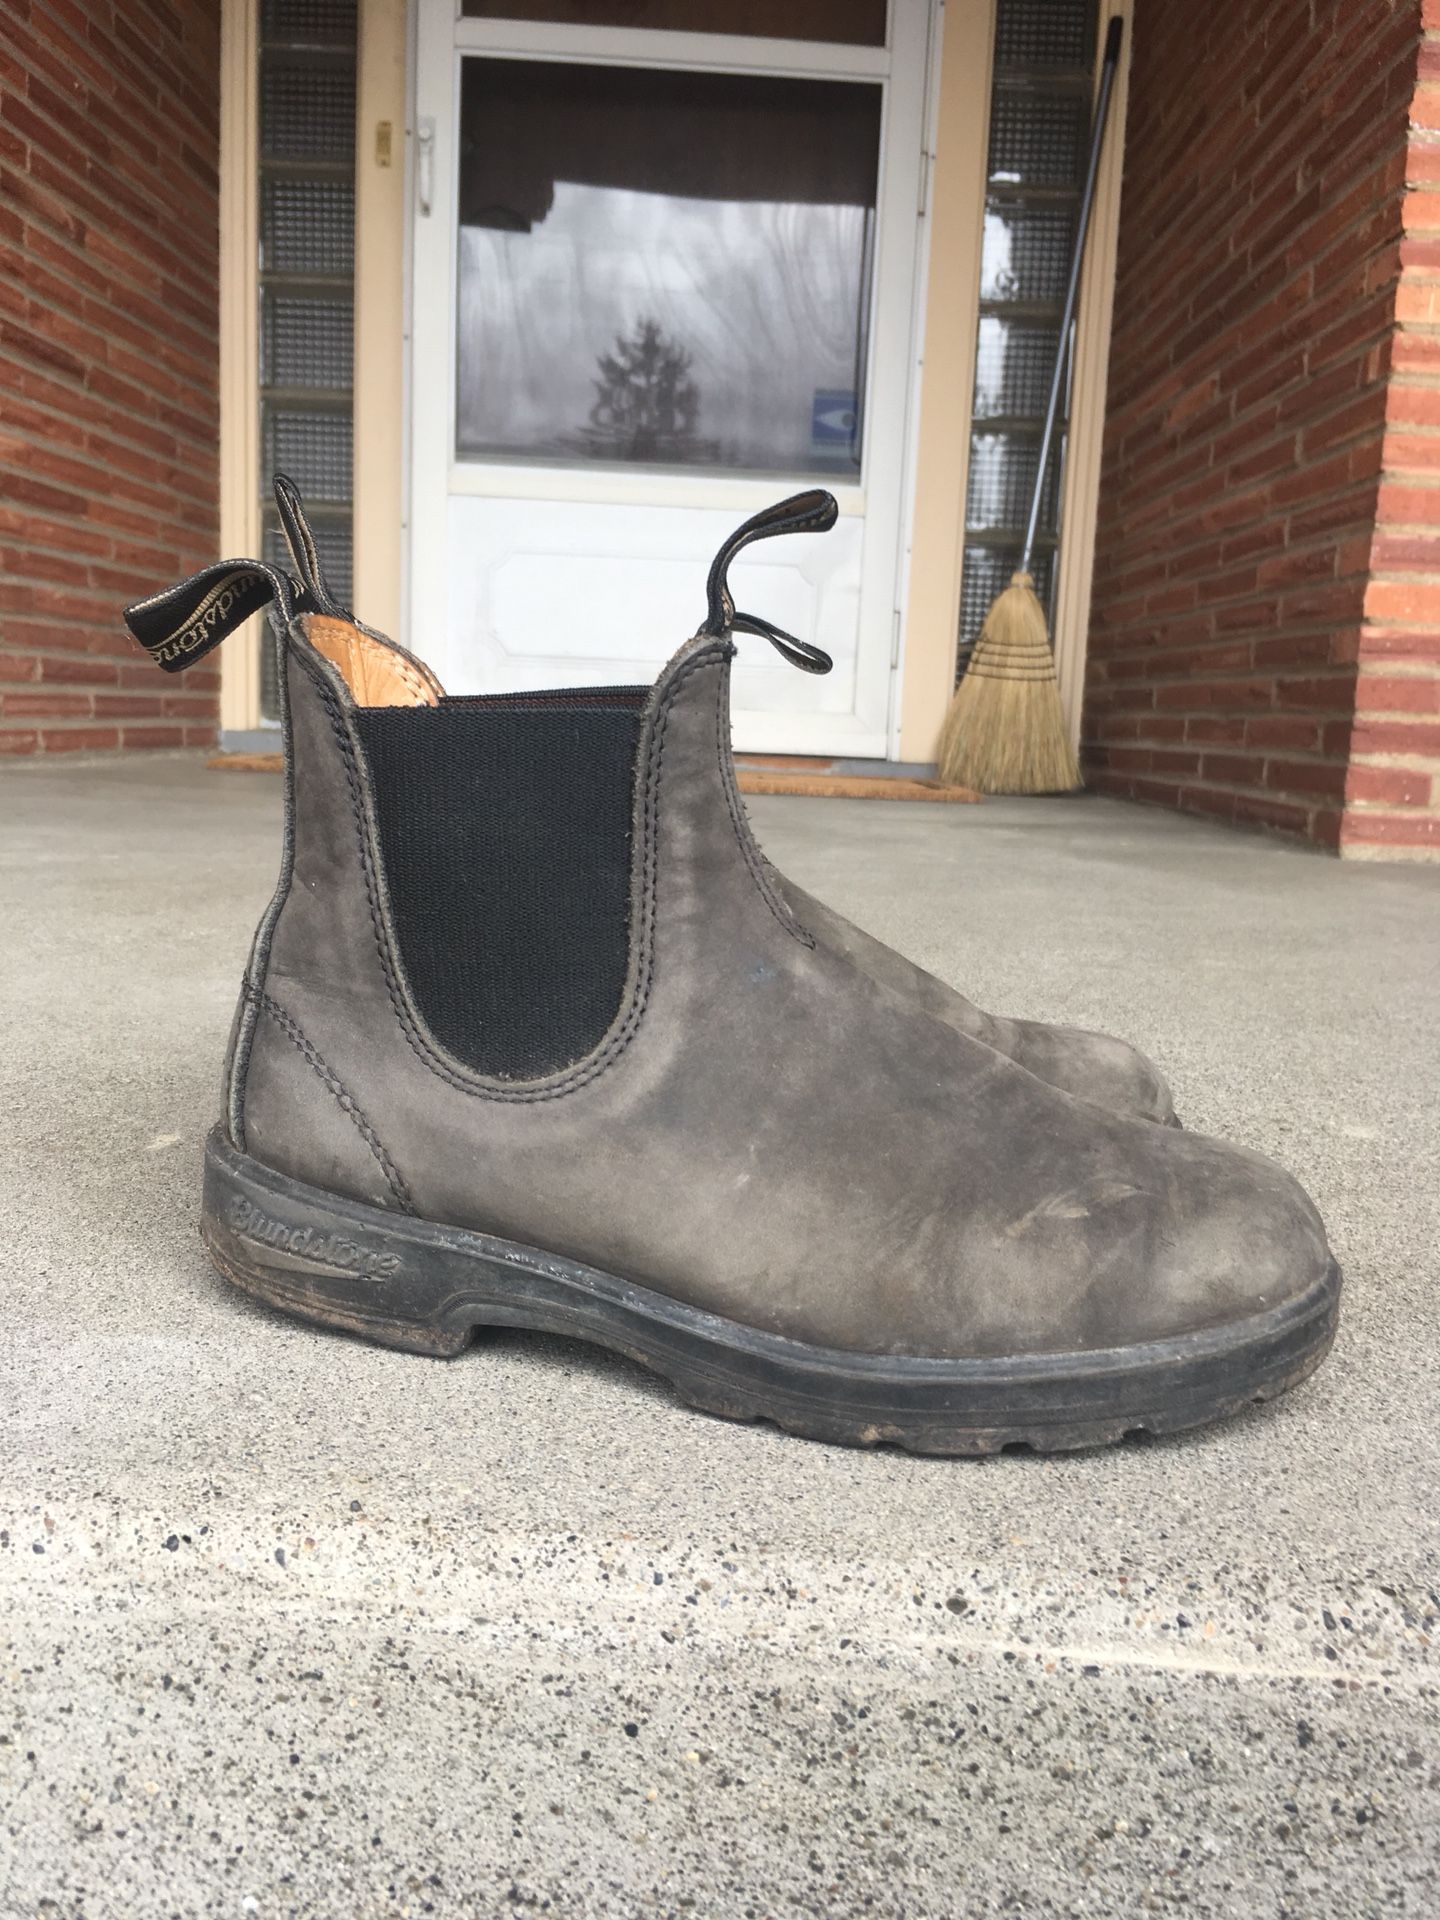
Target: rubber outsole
[{"x": 427, "y": 1288}]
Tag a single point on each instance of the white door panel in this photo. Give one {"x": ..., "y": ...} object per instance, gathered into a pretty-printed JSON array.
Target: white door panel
[
  {"x": 545, "y": 550},
  {"x": 555, "y": 593}
]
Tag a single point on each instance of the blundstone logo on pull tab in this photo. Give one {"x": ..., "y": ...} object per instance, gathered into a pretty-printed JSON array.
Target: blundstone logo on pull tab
[
  {"x": 209, "y": 622},
  {"x": 316, "y": 1246},
  {"x": 181, "y": 625}
]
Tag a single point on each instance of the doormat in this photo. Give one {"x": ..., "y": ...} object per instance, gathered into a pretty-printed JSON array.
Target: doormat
[
  {"x": 809, "y": 786},
  {"x": 850, "y": 786}
]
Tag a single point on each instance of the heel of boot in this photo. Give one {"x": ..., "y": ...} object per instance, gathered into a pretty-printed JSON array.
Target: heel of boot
[{"x": 325, "y": 1259}]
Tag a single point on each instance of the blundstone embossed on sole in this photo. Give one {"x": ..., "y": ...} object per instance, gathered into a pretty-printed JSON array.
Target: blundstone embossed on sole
[{"x": 531, "y": 1036}]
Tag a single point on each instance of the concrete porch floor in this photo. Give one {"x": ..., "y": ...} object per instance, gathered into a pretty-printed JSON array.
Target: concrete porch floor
[{"x": 290, "y": 1625}]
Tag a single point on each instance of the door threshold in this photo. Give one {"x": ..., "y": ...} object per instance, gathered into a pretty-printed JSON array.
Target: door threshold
[{"x": 814, "y": 778}]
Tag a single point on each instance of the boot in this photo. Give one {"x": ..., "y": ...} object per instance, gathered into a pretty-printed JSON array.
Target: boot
[
  {"x": 551, "y": 1049},
  {"x": 1094, "y": 1066}
]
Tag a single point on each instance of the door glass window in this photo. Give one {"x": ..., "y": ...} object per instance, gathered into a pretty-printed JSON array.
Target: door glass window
[
  {"x": 663, "y": 268},
  {"x": 855, "y": 23}
]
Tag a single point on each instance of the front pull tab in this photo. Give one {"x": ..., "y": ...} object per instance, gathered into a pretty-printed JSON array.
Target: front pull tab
[
  {"x": 182, "y": 624},
  {"x": 303, "y": 550},
  {"x": 800, "y": 653},
  {"x": 814, "y": 511}
]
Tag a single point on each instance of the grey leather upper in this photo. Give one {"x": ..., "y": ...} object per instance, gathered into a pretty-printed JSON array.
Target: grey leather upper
[
  {"x": 775, "y": 1128},
  {"x": 1093, "y": 1066}
]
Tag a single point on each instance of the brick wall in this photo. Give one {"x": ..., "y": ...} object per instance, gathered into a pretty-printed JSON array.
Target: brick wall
[
  {"x": 108, "y": 360},
  {"x": 1393, "y": 792},
  {"x": 1259, "y": 256}
]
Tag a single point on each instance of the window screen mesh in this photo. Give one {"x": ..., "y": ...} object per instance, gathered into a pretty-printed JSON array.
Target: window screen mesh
[
  {"x": 1040, "y": 108},
  {"x": 307, "y": 263}
]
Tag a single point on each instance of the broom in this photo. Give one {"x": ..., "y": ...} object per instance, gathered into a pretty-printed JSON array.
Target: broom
[{"x": 1005, "y": 730}]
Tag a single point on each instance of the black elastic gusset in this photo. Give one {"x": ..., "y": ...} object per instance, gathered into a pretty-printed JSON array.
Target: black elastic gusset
[{"x": 505, "y": 827}]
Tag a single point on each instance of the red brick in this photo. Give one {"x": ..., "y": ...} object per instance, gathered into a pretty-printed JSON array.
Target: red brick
[
  {"x": 1415, "y": 737},
  {"x": 153, "y": 736},
  {"x": 38, "y": 706},
  {"x": 108, "y": 358},
  {"x": 1395, "y": 552},
  {"x": 1374, "y": 693},
  {"x": 86, "y": 670},
  {"x": 1233, "y": 769},
  {"x": 1285, "y": 816},
  {"x": 79, "y": 739},
  {"x": 120, "y": 706},
  {"x": 1297, "y": 732},
  {"x": 1389, "y": 786},
  {"x": 1230, "y": 728},
  {"x": 1331, "y": 693},
  {"x": 1215, "y": 802},
  {"x": 1412, "y": 452},
  {"x": 1261, "y": 261},
  {"x": 1296, "y": 563},
  {"x": 1412, "y": 405},
  {"x": 1400, "y": 643},
  {"x": 1306, "y": 777},
  {"x": 1408, "y": 600},
  {"x": 1401, "y": 830}
]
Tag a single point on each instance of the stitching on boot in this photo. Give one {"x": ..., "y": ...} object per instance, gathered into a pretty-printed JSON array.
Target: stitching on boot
[
  {"x": 419, "y": 1043},
  {"x": 739, "y": 820},
  {"x": 295, "y": 1035},
  {"x": 258, "y": 963}
]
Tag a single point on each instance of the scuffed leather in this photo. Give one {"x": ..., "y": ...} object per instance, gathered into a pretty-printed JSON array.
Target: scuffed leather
[
  {"x": 337, "y": 1149},
  {"x": 768, "y": 1131},
  {"x": 1092, "y": 1066}
]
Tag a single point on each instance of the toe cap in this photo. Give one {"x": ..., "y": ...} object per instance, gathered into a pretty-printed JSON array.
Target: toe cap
[
  {"x": 1240, "y": 1237},
  {"x": 1143, "y": 1234}
]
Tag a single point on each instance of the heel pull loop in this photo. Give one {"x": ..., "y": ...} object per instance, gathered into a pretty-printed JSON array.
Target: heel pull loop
[
  {"x": 182, "y": 624},
  {"x": 813, "y": 511},
  {"x": 303, "y": 550}
]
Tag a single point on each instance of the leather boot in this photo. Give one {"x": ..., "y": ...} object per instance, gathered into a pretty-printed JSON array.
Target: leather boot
[
  {"x": 569, "y": 1058},
  {"x": 1094, "y": 1066}
]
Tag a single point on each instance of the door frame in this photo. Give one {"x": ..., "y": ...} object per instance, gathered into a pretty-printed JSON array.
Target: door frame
[{"x": 905, "y": 67}]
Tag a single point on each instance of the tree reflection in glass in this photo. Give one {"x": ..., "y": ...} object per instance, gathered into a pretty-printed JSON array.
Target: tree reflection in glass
[{"x": 663, "y": 268}]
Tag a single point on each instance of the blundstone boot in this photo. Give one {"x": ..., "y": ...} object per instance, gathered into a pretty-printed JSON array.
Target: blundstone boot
[
  {"x": 530, "y": 1037},
  {"x": 1095, "y": 1066}
]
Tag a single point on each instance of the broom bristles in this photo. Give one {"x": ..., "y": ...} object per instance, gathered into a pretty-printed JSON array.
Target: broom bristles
[{"x": 1005, "y": 729}]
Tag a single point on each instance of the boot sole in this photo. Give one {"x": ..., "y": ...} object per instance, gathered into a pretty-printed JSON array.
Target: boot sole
[{"x": 426, "y": 1288}]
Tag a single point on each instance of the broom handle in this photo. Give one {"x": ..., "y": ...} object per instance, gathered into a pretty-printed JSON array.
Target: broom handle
[{"x": 1072, "y": 291}]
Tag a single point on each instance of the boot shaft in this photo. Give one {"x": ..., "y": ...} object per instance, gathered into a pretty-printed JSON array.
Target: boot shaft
[{"x": 500, "y": 848}]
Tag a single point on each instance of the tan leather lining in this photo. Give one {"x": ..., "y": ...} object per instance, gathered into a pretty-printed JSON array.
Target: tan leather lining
[{"x": 376, "y": 675}]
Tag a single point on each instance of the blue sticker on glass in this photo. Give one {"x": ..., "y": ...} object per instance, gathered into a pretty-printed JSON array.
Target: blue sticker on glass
[{"x": 832, "y": 417}]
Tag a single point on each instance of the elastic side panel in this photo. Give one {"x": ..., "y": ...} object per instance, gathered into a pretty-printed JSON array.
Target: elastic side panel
[{"x": 505, "y": 835}]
